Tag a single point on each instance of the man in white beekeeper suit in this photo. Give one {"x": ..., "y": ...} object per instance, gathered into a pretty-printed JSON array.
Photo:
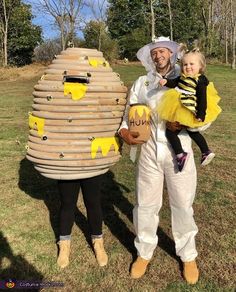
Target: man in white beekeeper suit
[{"x": 157, "y": 163}]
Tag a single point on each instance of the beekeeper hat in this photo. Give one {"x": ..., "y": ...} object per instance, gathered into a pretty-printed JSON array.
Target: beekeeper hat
[{"x": 144, "y": 55}]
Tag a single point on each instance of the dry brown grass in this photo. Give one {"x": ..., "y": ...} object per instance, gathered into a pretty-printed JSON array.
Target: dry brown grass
[{"x": 21, "y": 73}]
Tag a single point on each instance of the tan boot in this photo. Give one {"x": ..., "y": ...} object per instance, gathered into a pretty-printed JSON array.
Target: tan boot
[
  {"x": 191, "y": 272},
  {"x": 139, "y": 267},
  {"x": 64, "y": 252},
  {"x": 100, "y": 252}
]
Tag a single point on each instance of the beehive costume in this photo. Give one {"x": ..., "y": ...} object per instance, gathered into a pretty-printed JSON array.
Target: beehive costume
[
  {"x": 78, "y": 107},
  {"x": 157, "y": 163},
  {"x": 193, "y": 98}
]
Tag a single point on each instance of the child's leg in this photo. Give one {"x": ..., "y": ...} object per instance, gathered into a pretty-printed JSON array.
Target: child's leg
[
  {"x": 199, "y": 140},
  {"x": 174, "y": 140},
  {"x": 207, "y": 155}
]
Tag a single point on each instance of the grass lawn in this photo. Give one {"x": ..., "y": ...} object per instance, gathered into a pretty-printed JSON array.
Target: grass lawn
[{"x": 29, "y": 208}]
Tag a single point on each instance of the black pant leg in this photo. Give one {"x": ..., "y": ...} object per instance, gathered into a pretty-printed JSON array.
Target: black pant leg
[
  {"x": 69, "y": 192},
  {"x": 199, "y": 140},
  {"x": 174, "y": 140},
  {"x": 91, "y": 190}
]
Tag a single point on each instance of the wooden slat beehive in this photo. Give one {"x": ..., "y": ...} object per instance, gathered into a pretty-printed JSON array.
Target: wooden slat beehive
[{"x": 78, "y": 106}]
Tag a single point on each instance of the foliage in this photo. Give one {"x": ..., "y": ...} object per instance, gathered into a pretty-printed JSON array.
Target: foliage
[
  {"x": 194, "y": 22},
  {"x": 130, "y": 43},
  {"x": 23, "y": 36},
  {"x": 129, "y": 22},
  {"x": 94, "y": 33},
  {"x": 46, "y": 51},
  {"x": 124, "y": 16},
  {"x": 187, "y": 20},
  {"x": 124, "y": 20},
  {"x": 162, "y": 21},
  {"x": 97, "y": 36},
  {"x": 110, "y": 49}
]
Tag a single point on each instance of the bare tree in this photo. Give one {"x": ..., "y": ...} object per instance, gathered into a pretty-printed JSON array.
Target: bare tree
[
  {"x": 209, "y": 24},
  {"x": 98, "y": 10},
  {"x": 66, "y": 15},
  {"x": 225, "y": 28},
  {"x": 165, "y": 2},
  {"x": 5, "y": 13},
  {"x": 226, "y": 42},
  {"x": 225, "y": 15}
]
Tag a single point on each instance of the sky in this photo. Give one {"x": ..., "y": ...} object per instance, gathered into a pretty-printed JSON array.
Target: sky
[
  {"x": 46, "y": 21},
  {"x": 42, "y": 20},
  {"x": 47, "y": 26}
]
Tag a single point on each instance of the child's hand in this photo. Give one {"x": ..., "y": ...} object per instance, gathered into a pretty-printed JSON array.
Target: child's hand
[{"x": 162, "y": 82}]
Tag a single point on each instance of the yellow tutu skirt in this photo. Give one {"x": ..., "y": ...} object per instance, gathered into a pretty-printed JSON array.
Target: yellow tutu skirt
[{"x": 171, "y": 109}]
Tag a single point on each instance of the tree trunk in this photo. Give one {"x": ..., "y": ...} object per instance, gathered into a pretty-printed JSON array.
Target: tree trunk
[
  {"x": 206, "y": 28},
  {"x": 233, "y": 33},
  {"x": 63, "y": 41},
  {"x": 5, "y": 60},
  {"x": 5, "y": 34},
  {"x": 226, "y": 44},
  {"x": 211, "y": 36},
  {"x": 100, "y": 38},
  {"x": 152, "y": 20},
  {"x": 171, "y": 21},
  {"x": 233, "y": 48}
]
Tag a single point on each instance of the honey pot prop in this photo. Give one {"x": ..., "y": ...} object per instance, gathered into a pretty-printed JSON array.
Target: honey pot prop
[{"x": 139, "y": 121}]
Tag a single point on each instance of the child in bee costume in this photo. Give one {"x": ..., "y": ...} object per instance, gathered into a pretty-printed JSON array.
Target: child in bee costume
[{"x": 193, "y": 102}]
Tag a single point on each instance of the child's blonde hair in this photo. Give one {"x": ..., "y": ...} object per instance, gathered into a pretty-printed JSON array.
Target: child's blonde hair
[{"x": 196, "y": 52}]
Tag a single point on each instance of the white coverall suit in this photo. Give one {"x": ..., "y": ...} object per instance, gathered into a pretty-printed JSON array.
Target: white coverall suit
[{"x": 156, "y": 163}]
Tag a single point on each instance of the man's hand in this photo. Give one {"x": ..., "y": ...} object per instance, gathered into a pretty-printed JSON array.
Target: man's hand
[
  {"x": 174, "y": 126},
  {"x": 129, "y": 137}
]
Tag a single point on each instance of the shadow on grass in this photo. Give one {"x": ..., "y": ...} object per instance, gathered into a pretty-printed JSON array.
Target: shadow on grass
[
  {"x": 17, "y": 267},
  {"x": 113, "y": 200},
  {"x": 167, "y": 244},
  {"x": 41, "y": 188}
]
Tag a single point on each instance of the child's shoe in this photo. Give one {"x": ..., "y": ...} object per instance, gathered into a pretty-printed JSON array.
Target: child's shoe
[
  {"x": 181, "y": 161},
  {"x": 207, "y": 157}
]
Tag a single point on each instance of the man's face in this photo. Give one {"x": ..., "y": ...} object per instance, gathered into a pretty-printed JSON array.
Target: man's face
[{"x": 161, "y": 57}]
